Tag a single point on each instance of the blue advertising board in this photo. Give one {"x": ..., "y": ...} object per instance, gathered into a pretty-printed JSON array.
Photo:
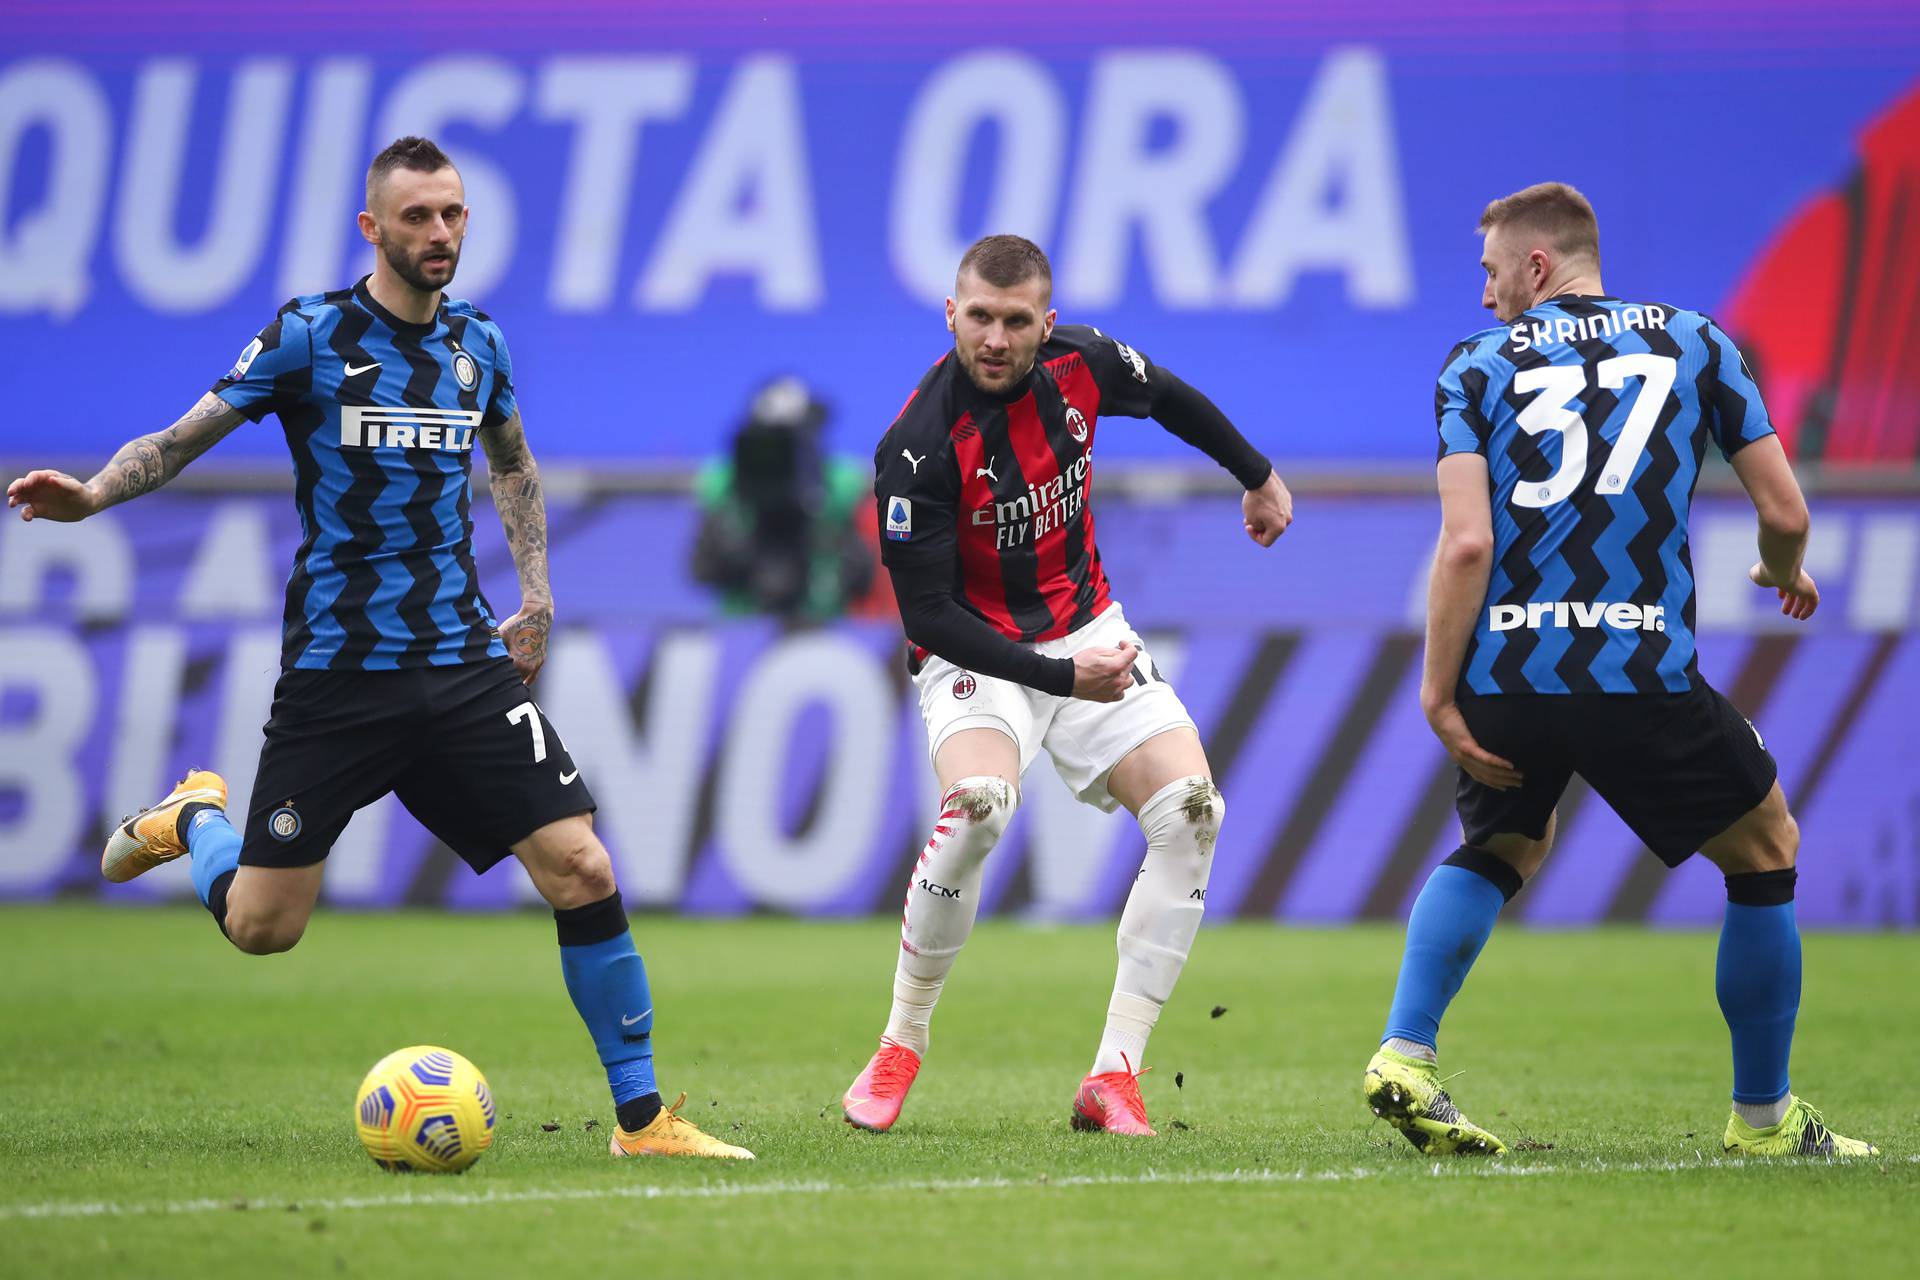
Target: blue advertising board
[
  {"x": 741, "y": 766},
  {"x": 671, "y": 205}
]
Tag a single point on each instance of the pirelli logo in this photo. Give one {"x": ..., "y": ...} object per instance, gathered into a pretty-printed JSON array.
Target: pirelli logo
[{"x": 372, "y": 426}]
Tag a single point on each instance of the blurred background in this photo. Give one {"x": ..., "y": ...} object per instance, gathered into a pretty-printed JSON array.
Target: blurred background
[{"x": 718, "y": 237}]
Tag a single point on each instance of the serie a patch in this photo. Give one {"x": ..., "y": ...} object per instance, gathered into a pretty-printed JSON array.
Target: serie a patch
[{"x": 899, "y": 519}]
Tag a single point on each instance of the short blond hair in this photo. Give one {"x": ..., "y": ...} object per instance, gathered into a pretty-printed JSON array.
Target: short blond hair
[{"x": 1553, "y": 210}]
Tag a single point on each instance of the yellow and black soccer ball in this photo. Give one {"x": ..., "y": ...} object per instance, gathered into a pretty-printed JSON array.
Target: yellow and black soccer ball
[{"x": 425, "y": 1110}]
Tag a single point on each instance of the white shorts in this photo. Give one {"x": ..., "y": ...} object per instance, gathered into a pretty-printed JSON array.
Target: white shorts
[{"x": 1085, "y": 739}]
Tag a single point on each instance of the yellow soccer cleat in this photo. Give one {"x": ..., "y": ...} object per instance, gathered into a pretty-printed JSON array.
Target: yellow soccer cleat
[
  {"x": 668, "y": 1135},
  {"x": 1406, "y": 1093},
  {"x": 152, "y": 836},
  {"x": 1801, "y": 1132}
]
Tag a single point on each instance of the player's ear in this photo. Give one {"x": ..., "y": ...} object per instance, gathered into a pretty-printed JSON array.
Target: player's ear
[
  {"x": 951, "y": 312},
  {"x": 1046, "y": 325},
  {"x": 369, "y": 229}
]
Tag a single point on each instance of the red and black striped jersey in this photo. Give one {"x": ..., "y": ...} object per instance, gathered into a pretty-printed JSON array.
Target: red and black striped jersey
[{"x": 993, "y": 489}]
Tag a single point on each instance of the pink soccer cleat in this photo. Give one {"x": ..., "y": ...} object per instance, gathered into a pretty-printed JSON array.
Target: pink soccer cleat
[
  {"x": 1111, "y": 1101},
  {"x": 873, "y": 1101}
]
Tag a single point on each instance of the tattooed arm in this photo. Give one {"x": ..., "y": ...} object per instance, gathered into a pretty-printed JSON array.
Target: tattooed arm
[
  {"x": 514, "y": 477},
  {"x": 141, "y": 466}
]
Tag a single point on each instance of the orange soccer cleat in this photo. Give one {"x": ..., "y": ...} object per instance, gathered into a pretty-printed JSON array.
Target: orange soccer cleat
[
  {"x": 1112, "y": 1101},
  {"x": 150, "y": 837},
  {"x": 874, "y": 1099},
  {"x": 667, "y": 1134}
]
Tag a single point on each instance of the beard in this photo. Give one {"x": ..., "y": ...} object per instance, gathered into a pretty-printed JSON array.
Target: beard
[
  {"x": 1010, "y": 377},
  {"x": 408, "y": 266}
]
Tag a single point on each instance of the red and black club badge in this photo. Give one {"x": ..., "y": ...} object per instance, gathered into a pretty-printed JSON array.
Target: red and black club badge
[{"x": 1076, "y": 424}]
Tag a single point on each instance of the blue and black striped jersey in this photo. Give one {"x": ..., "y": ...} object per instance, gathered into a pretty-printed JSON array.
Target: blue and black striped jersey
[
  {"x": 381, "y": 417},
  {"x": 1593, "y": 415}
]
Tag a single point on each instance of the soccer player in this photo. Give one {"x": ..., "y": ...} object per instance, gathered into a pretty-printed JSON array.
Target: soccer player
[
  {"x": 395, "y": 677},
  {"x": 1560, "y": 641},
  {"x": 1016, "y": 645}
]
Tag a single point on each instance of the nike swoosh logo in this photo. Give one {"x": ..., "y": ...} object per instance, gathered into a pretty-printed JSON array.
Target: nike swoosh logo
[
  {"x": 628, "y": 1022},
  {"x": 566, "y": 779},
  {"x": 354, "y": 372}
]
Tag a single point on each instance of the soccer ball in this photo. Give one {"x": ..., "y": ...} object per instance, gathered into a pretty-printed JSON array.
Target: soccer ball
[{"x": 424, "y": 1109}]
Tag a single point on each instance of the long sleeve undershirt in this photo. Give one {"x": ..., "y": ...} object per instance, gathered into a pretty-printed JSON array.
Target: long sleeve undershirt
[
  {"x": 1190, "y": 416},
  {"x": 935, "y": 621}
]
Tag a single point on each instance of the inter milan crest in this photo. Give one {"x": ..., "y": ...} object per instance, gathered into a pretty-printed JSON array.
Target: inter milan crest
[
  {"x": 466, "y": 371},
  {"x": 283, "y": 823}
]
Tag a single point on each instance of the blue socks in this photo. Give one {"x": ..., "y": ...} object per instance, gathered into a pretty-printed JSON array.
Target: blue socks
[
  {"x": 213, "y": 849},
  {"x": 1757, "y": 978},
  {"x": 1450, "y": 923},
  {"x": 608, "y": 983}
]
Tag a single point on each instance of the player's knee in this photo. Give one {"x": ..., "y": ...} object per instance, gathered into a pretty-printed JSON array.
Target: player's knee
[
  {"x": 1786, "y": 850},
  {"x": 1772, "y": 844},
  {"x": 987, "y": 804},
  {"x": 1204, "y": 808},
  {"x": 1531, "y": 857},
  {"x": 1778, "y": 849},
  {"x": 594, "y": 873},
  {"x": 581, "y": 871},
  {"x": 1182, "y": 825},
  {"x": 262, "y": 934},
  {"x": 1185, "y": 816}
]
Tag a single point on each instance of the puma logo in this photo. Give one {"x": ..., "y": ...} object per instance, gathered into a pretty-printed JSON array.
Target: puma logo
[
  {"x": 987, "y": 471},
  {"x": 913, "y": 461}
]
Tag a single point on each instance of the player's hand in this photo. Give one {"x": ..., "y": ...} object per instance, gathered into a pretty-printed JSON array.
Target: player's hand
[
  {"x": 1481, "y": 764},
  {"x": 1797, "y": 601},
  {"x": 525, "y": 635},
  {"x": 1267, "y": 511},
  {"x": 52, "y": 495},
  {"x": 1104, "y": 675}
]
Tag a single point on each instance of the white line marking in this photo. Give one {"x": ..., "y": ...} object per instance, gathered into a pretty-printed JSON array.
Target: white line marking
[{"x": 716, "y": 1190}]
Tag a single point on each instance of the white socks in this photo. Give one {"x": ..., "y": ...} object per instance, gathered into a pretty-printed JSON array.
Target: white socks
[
  {"x": 942, "y": 899},
  {"x": 1412, "y": 1049},
  {"x": 1764, "y": 1115},
  {"x": 1181, "y": 822},
  {"x": 1163, "y": 912}
]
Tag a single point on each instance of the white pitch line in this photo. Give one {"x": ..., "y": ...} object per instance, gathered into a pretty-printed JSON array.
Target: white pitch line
[{"x": 713, "y": 1190}]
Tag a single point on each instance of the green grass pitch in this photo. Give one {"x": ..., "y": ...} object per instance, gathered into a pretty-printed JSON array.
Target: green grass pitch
[{"x": 170, "y": 1107}]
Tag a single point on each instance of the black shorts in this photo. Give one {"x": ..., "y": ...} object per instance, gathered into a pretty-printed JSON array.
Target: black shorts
[
  {"x": 464, "y": 747},
  {"x": 1679, "y": 768}
]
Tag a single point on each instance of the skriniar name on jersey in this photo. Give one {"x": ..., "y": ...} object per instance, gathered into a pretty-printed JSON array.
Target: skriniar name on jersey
[{"x": 1593, "y": 414}]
